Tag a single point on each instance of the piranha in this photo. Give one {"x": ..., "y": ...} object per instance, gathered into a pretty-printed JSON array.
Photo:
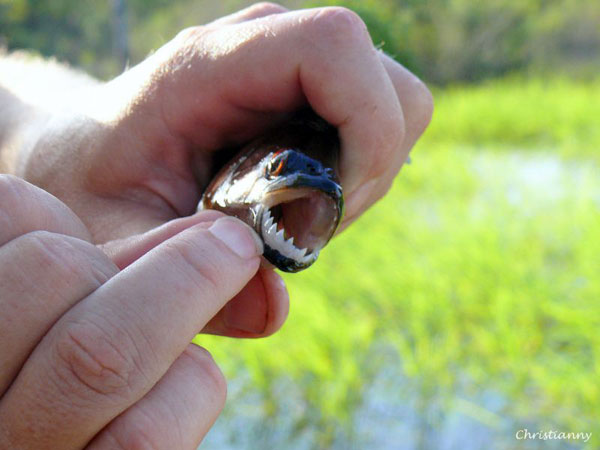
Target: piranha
[{"x": 285, "y": 186}]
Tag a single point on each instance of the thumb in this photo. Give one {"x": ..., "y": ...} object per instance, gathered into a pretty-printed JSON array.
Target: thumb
[
  {"x": 125, "y": 251},
  {"x": 258, "y": 310}
]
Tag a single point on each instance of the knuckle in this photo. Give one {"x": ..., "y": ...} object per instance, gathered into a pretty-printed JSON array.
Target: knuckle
[
  {"x": 197, "y": 265},
  {"x": 190, "y": 33},
  {"x": 266, "y": 8},
  {"x": 210, "y": 372},
  {"x": 94, "y": 363},
  {"x": 51, "y": 250},
  {"x": 64, "y": 258},
  {"x": 138, "y": 436},
  {"x": 340, "y": 24},
  {"x": 9, "y": 182},
  {"x": 24, "y": 207},
  {"x": 12, "y": 190}
]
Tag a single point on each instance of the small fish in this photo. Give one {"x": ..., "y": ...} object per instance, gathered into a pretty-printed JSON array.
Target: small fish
[{"x": 285, "y": 186}]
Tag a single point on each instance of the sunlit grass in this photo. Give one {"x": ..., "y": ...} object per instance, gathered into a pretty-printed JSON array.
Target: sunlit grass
[
  {"x": 556, "y": 114},
  {"x": 478, "y": 272}
]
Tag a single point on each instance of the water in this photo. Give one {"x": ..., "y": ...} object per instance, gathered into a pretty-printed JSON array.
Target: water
[{"x": 394, "y": 414}]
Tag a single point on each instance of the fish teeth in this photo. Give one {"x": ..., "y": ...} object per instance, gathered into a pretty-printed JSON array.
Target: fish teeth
[
  {"x": 279, "y": 236},
  {"x": 299, "y": 254},
  {"x": 276, "y": 240},
  {"x": 289, "y": 245},
  {"x": 267, "y": 219}
]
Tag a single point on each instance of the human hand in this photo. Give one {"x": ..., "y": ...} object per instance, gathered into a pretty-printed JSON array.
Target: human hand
[
  {"x": 97, "y": 357},
  {"x": 133, "y": 153}
]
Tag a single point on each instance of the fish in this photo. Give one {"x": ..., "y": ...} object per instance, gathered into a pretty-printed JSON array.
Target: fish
[{"x": 285, "y": 185}]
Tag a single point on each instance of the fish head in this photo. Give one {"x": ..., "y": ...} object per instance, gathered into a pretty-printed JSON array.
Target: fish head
[{"x": 290, "y": 194}]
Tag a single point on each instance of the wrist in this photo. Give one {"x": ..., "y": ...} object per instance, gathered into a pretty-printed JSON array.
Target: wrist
[{"x": 32, "y": 92}]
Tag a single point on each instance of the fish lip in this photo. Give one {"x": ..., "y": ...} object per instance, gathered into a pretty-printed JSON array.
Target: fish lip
[
  {"x": 274, "y": 256},
  {"x": 319, "y": 183}
]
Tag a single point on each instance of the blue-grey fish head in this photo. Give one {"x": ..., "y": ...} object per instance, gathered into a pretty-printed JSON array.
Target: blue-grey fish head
[{"x": 286, "y": 187}]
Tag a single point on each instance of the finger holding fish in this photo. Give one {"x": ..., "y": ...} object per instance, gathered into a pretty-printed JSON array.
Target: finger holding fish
[
  {"x": 258, "y": 310},
  {"x": 417, "y": 105},
  {"x": 220, "y": 86},
  {"x": 263, "y": 69},
  {"x": 356, "y": 88}
]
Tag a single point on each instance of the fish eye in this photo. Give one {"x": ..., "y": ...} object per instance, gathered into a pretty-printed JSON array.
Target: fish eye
[{"x": 276, "y": 164}]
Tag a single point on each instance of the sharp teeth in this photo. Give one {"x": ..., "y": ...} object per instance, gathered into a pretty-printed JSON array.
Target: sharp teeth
[
  {"x": 311, "y": 257},
  {"x": 279, "y": 235},
  {"x": 291, "y": 248},
  {"x": 267, "y": 218},
  {"x": 276, "y": 240}
]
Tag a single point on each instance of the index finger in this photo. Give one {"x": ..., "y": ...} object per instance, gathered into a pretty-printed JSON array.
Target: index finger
[
  {"x": 331, "y": 54},
  {"x": 277, "y": 63}
]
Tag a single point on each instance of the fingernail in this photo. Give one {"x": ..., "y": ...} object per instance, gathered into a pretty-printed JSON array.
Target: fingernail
[
  {"x": 238, "y": 236},
  {"x": 245, "y": 316}
]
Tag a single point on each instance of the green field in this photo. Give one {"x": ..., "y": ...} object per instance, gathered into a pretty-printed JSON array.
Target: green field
[{"x": 461, "y": 308}]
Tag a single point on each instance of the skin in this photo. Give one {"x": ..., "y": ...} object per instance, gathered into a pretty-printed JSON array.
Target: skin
[{"x": 124, "y": 275}]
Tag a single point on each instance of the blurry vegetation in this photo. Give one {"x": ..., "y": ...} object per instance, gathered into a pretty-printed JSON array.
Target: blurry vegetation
[
  {"x": 441, "y": 40},
  {"x": 78, "y": 32},
  {"x": 476, "y": 276},
  {"x": 557, "y": 114},
  {"x": 462, "y": 40}
]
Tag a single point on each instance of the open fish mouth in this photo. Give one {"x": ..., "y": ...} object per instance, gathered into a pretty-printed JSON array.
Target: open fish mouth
[
  {"x": 285, "y": 185},
  {"x": 297, "y": 225}
]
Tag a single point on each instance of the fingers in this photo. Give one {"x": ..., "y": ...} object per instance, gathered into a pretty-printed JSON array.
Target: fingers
[
  {"x": 259, "y": 310},
  {"x": 43, "y": 273},
  {"x": 417, "y": 106},
  {"x": 127, "y": 250},
  {"x": 341, "y": 76},
  {"x": 323, "y": 56},
  {"x": 109, "y": 350},
  {"x": 232, "y": 79},
  {"x": 176, "y": 413},
  {"x": 416, "y": 100},
  {"x": 42, "y": 276},
  {"x": 25, "y": 208}
]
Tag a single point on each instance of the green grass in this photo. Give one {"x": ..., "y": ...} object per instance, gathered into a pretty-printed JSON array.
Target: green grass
[
  {"x": 557, "y": 114},
  {"x": 479, "y": 272}
]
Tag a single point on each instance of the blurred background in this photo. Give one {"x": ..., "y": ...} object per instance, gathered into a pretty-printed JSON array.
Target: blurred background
[{"x": 463, "y": 307}]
